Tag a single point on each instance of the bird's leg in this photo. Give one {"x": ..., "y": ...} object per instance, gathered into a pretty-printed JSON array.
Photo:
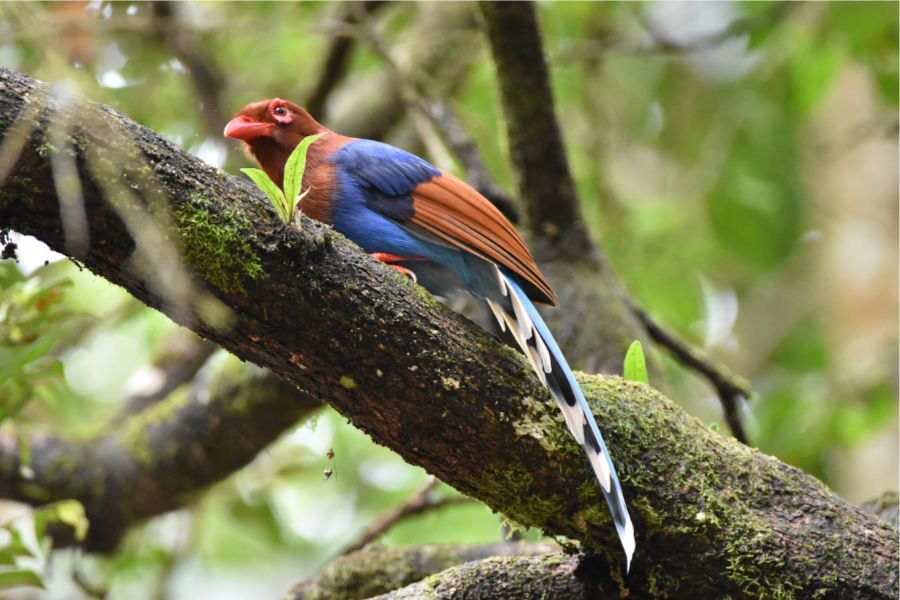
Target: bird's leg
[{"x": 389, "y": 259}]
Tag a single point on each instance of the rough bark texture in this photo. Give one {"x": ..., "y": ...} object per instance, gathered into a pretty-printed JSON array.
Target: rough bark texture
[
  {"x": 378, "y": 569},
  {"x": 712, "y": 517},
  {"x": 552, "y": 575}
]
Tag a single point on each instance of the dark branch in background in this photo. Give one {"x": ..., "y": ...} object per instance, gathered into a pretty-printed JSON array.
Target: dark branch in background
[
  {"x": 547, "y": 187},
  {"x": 378, "y": 569},
  {"x": 153, "y": 461},
  {"x": 205, "y": 75},
  {"x": 337, "y": 58},
  {"x": 535, "y": 140},
  {"x": 712, "y": 516},
  {"x": 423, "y": 501},
  {"x": 570, "y": 259},
  {"x": 731, "y": 388},
  {"x": 175, "y": 364}
]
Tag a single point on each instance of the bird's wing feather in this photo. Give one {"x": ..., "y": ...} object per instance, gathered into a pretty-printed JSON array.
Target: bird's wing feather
[
  {"x": 409, "y": 190},
  {"x": 454, "y": 211}
]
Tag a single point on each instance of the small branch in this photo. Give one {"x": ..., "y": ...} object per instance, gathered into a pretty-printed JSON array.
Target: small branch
[
  {"x": 730, "y": 387},
  {"x": 377, "y": 569},
  {"x": 420, "y": 503},
  {"x": 441, "y": 45}
]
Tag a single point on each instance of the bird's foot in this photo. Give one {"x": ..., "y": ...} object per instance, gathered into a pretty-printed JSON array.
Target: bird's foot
[{"x": 389, "y": 259}]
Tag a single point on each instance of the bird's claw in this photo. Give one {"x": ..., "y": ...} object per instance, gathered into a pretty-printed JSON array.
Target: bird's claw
[{"x": 389, "y": 260}]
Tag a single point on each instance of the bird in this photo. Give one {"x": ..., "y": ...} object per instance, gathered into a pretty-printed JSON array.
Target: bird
[{"x": 442, "y": 233}]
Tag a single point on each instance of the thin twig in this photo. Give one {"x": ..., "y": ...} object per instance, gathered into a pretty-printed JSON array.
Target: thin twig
[
  {"x": 730, "y": 387},
  {"x": 421, "y": 502}
]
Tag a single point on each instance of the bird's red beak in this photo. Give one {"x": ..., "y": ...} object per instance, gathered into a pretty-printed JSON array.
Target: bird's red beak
[{"x": 245, "y": 128}]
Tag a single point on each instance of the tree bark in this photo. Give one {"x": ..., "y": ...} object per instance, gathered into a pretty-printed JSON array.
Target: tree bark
[
  {"x": 157, "y": 459},
  {"x": 712, "y": 516},
  {"x": 552, "y": 575},
  {"x": 377, "y": 569}
]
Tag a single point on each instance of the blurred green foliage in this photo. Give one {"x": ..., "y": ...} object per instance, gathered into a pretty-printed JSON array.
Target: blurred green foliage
[{"x": 737, "y": 161}]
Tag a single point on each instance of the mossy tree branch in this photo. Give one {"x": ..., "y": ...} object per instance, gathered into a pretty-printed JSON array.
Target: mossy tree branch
[
  {"x": 377, "y": 569},
  {"x": 155, "y": 460},
  {"x": 712, "y": 516},
  {"x": 551, "y": 575}
]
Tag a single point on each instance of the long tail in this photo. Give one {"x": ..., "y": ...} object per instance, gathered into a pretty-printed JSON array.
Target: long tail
[{"x": 518, "y": 313}]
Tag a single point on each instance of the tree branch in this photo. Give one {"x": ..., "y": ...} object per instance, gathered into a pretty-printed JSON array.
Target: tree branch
[
  {"x": 535, "y": 141},
  {"x": 712, "y": 516},
  {"x": 730, "y": 388},
  {"x": 153, "y": 461},
  {"x": 176, "y": 363},
  {"x": 443, "y": 45},
  {"x": 552, "y": 575},
  {"x": 378, "y": 569}
]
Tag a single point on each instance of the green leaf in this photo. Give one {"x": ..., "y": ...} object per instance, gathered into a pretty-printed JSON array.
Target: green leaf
[
  {"x": 635, "y": 365},
  {"x": 275, "y": 195},
  {"x": 814, "y": 69},
  {"x": 293, "y": 172},
  {"x": 18, "y": 577},
  {"x": 68, "y": 512}
]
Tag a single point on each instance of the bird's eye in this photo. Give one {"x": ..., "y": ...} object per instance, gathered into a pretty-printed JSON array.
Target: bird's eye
[{"x": 280, "y": 111}]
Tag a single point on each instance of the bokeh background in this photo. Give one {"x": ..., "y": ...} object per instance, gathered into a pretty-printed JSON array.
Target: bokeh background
[{"x": 737, "y": 161}]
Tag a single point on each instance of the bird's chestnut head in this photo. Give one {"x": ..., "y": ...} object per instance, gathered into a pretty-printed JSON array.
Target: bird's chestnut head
[{"x": 271, "y": 129}]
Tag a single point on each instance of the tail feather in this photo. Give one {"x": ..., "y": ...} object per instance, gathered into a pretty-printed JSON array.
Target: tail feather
[{"x": 548, "y": 362}]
